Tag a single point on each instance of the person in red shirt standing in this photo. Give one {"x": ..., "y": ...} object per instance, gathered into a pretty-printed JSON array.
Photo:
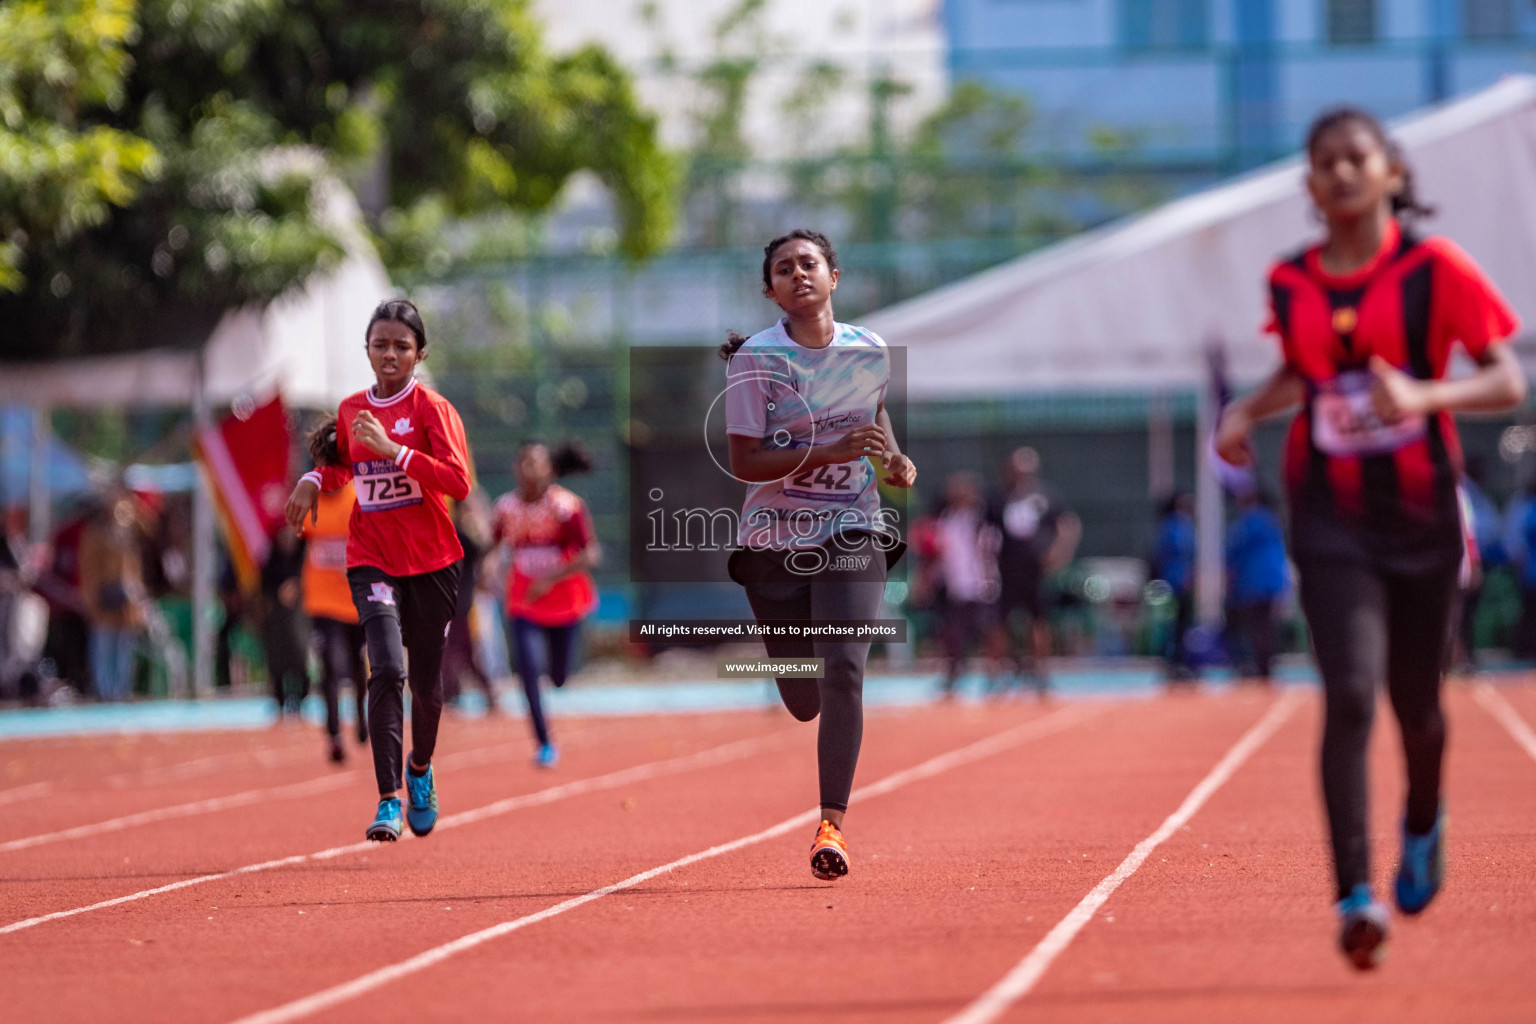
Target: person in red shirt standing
[
  {"x": 1366, "y": 321},
  {"x": 549, "y": 586},
  {"x": 402, "y": 446}
]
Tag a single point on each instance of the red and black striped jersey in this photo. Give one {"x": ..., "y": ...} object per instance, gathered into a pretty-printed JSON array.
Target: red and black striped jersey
[{"x": 1360, "y": 487}]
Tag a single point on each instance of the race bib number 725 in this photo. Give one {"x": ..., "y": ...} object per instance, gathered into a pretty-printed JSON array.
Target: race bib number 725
[{"x": 382, "y": 485}]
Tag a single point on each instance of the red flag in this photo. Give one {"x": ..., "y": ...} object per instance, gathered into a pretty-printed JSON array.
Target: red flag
[{"x": 245, "y": 459}]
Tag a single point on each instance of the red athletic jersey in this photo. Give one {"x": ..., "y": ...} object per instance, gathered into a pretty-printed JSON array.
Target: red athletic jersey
[
  {"x": 1359, "y": 487},
  {"x": 400, "y": 523},
  {"x": 544, "y": 535}
]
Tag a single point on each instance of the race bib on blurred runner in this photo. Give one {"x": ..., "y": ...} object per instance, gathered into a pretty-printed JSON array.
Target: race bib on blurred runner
[
  {"x": 328, "y": 553},
  {"x": 382, "y": 485},
  {"x": 536, "y": 560},
  {"x": 1344, "y": 423}
]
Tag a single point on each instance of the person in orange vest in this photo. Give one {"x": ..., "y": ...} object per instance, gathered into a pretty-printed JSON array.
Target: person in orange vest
[{"x": 338, "y": 638}]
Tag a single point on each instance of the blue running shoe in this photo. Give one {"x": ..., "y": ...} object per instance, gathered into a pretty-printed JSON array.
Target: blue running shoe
[
  {"x": 422, "y": 789},
  {"x": 1363, "y": 928},
  {"x": 386, "y": 824},
  {"x": 547, "y": 757},
  {"x": 1422, "y": 868}
]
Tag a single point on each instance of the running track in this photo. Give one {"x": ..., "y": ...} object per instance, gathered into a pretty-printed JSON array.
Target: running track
[{"x": 1099, "y": 860}]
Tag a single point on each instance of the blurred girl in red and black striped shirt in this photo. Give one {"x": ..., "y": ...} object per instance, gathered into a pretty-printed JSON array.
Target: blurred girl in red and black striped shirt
[{"x": 1367, "y": 320}]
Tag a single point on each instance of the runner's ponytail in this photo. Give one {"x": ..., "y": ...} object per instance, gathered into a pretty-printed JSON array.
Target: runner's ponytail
[
  {"x": 322, "y": 443},
  {"x": 733, "y": 341},
  {"x": 570, "y": 459}
]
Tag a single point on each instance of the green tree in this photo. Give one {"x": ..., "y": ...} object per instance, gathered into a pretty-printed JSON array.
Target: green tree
[
  {"x": 231, "y": 115},
  {"x": 60, "y": 174}
]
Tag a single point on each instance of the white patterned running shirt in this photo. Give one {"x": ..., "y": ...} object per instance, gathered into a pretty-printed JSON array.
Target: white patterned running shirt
[{"x": 790, "y": 397}]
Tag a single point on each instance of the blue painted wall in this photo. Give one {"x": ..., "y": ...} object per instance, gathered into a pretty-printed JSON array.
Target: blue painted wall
[{"x": 1222, "y": 84}]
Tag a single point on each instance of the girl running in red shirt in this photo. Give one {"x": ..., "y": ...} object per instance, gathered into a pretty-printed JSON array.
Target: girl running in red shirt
[
  {"x": 549, "y": 586},
  {"x": 1366, "y": 321},
  {"x": 402, "y": 446}
]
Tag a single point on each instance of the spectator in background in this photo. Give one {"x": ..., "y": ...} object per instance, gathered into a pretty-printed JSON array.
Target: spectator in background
[
  {"x": 1173, "y": 562},
  {"x": 112, "y": 590},
  {"x": 68, "y": 643},
  {"x": 462, "y": 655},
  {"x": 1487, "y": 529},
  {"x": 966, "y": 545},
  {"x": 284, "y": 627},
  {"x": 1258, "y": 577},
  {"x": 1520, "y": 541},
  {"x": 1037, "y": 537},
  {"x": 12, "y": 586},
  {"x": 232, "y": 602}
]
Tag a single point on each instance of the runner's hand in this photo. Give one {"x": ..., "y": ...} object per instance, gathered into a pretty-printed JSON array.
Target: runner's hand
[
  {"x": 304, "y": 501},
  {"x": 1394, "y": 394},
  {"x": 857, "y": 444},
  {"x": 367, "y": 430},
  {"x": 1232, "y": 437},
  {"x": 900, "y": 470}
]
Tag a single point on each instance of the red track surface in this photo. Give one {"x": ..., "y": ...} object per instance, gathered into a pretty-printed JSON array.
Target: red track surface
[{"x": 956, "y": 877}]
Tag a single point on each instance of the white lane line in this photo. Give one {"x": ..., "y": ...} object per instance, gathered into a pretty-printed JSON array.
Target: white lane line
[
  {"x": 171, "y": 772},
  {"x": 27, "y": 792},
  {"x": 309, "y": 787},
  {"x": 187, "y": 810},
  {"x": 733, "y": 751},
  {"x": 1494, "y": 703},
  {"x": 263, "y": 758},
  {"x": 1019, "y": 734},
  {"x": 1016, "y": 983}
]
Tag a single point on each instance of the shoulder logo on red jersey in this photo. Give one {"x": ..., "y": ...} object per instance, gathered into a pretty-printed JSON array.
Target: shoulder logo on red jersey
[{"x": 402, "y": 426}]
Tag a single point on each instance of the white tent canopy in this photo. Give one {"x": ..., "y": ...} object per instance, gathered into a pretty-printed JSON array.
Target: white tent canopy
[
  {"x": 1135, "y": 304},
  {"x": 308, "y": 344}
]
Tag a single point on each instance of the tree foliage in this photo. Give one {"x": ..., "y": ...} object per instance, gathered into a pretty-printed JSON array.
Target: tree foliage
[
  {"x": 59, "y": 173},
  {"x": 164, "y": 160}
]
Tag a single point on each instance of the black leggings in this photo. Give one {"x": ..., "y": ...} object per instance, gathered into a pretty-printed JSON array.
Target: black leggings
[
  {"x": 559, "y": 643},
  {"x": 340, "y": 647},
  {"x": 399, "y": 612},
  {"x": 1372, "y": 627},
  {"x": 839, "y": 695},
  {"x": 459, "y": 657}
]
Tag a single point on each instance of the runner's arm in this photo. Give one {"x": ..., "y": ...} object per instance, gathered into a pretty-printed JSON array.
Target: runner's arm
[
  {"x": 586, "y": 557},
  {"x": 900, "y": 471},
  {"x": 304, "y": 501},
  {"x": 1282, "y": 392},
  {"x": 750, "y": 462},
  {"x": 1498, "y": 384},
  {"x": 449, "y": 471},
  {"x": 336, "y": 476}
]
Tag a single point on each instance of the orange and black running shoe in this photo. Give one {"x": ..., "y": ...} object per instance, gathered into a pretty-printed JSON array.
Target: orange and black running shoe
[{"x": 829, "y": 854}]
